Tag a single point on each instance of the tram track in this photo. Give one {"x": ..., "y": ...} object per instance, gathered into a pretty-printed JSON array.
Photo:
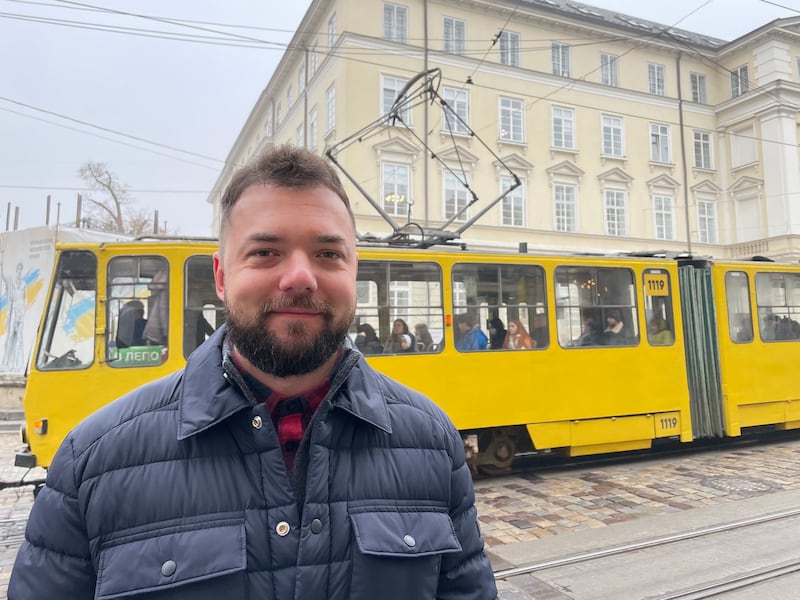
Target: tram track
[{"x": 696, "y": 591}]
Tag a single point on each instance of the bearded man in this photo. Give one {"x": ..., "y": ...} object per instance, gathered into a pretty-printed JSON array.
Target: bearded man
[{"x": 278, "y": 464}]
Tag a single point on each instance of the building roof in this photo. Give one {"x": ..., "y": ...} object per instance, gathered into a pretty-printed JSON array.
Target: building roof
[{"x": 641, "y": 26}]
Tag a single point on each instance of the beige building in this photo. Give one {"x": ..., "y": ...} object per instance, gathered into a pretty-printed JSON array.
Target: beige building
[{"x": 627, "y": 135}]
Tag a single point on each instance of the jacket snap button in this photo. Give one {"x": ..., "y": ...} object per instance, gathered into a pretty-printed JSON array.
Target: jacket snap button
[
  {"x": 316, "y": 526},
  {"x": 282, "y": 528},
  {"x": 410, "y": 541},
  {"x": 168, "y": 568},
  {"x": 256, "y": 422}
]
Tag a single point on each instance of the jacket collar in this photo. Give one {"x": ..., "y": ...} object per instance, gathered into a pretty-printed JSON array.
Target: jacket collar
[{"x": 210, "y": 394}]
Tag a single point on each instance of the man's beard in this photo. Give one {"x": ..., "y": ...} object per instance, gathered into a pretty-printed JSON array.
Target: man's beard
[{"x": 302, "y": 352}]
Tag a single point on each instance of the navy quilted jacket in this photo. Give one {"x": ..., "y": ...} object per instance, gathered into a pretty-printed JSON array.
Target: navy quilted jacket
[{"x": 179, "y": 491}]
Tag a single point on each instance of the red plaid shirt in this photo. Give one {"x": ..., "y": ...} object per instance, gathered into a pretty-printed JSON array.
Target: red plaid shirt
[{"x": 290, "y": 414}]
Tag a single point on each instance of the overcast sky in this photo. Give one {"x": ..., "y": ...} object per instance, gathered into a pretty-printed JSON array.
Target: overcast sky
[{"x": 68, "y": 90}]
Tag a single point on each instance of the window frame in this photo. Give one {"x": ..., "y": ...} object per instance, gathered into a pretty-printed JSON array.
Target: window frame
[
  {"x": 563, "y": 127},
  {"x": 656, "y": 79},
  {"x": 512, "y": 112}
]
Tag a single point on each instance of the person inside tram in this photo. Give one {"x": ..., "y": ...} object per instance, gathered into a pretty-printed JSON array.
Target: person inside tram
[
  {"x": 614, "y": 333},
  {"x": 658, "y": 332},
  {"x": 591, "y": 331},
  {"x": 367, "y": 340},
  {"x": 405, "y": 343},
  {"x": 497, "y": 333},
  {"x": 471, "y": 337},
  {"x": 539, "y": 332},
  {"x": 131, "y": 324},
  {"x": 392, "y": 345},
  {"x": 518, "y": 337},
  {"x": 424, "y": 338}
]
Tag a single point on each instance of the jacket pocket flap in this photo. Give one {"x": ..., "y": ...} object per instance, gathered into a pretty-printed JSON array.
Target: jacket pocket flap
[
  {"x": 404, "y": 533},
  {"x": 163, "y": 560}
]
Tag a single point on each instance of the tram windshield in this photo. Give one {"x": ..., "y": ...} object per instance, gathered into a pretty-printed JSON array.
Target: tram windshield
[{"x": 68, "y": 333}]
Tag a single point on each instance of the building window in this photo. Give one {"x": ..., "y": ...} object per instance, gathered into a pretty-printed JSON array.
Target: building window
[
  {"x": 278, "y": 117},
  {"x": 698, "y": 88},
  {"x": 301, "y": 79},
  {"x": 288, "y": 99},
  {"x": 455, "y": 197},
  {"x": 391, "y": 87},
  {"x": 740, "y": 81},
  {"x": 609, "y": 70},
  {"x": 312, "y": 129},
  {"x": 702, "y": 150},
  {"x": 706, "y": 222},
  {"x": 396, "y": 180},
  {"x": 395, "y": 22},
  {"x": 559, "y": 59},
  {"x": 332, "y": 31},
  {"x": 659, "y": 143},
  {"x": 456, "y": 116},
  {"x": 300, "y": 140},
  {"x": 615, "y": 212},
  {"x": 314, "y": 60},
  {"x": 663, "y": 212},
  {"x": 563, "y": 128},
  {"x": 509, "y": 48},
  {"x": 455, "y": 35},
  {"x": 511, "y": 120},
  {"x": 565, "y": 207},
  {"x": 330, "y": 104},
  {"x": 513, "y": 208},
  {"x": 743, "y": 147},
  {"x": 655, "y": 79},
  {"x": 612, "y": 136}
]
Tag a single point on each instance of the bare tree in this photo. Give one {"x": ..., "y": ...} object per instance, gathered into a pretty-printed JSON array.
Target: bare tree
[{"x": 115, "y": 212}]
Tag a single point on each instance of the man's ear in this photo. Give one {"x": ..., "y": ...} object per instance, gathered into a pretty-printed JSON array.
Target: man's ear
[{"x": 219, "y": 276}]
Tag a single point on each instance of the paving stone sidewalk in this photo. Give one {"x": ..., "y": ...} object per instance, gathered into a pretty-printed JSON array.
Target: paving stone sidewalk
[{"x": 535, "y": 505}]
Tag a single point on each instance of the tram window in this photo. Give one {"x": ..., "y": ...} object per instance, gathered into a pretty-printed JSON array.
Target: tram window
[
  {"x": 509, "y": 300},
  {"x": 596, "y": 306},
  {"x": 68, "y": 332},
  {"x": 740, "y": 316},
  {"x": 407, "y": 293},
  {"x": 778, "y": 304},
  {"x": 657, "y": 294},
  {"x": 137, "y": 311},
  {"x": 203, "y": 312}
]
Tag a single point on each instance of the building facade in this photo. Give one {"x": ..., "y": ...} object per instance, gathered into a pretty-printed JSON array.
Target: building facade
[{"x": 627, "y": 135}]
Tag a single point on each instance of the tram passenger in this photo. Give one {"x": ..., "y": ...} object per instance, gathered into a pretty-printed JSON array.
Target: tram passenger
[
  {"x": 497, "y": 333},
  {"x": 471, "y": 338},
  {"x": 614, "y": 333},
  {"x": 392, "y": 345},
  {"x": 658, "y": 332},
  {"x": 275, "y": 441},
  {"x": 591, "y": 332},
  {"x": 423, "y": 337},
  {"x": 367, "y": 340},
  {"x": 539, "y": 332},
  {"x": 518, "y": 337},
  {"x": 131, "y": 324}
]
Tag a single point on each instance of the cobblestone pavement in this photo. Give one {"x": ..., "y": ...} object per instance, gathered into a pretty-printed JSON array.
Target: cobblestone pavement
[{"x": 533, "y": 505}]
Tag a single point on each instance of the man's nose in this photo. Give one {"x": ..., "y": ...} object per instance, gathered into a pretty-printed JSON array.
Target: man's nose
[{"x": 298, "y": 273}]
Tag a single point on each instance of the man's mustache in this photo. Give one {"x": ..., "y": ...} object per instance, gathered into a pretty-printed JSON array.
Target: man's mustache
[{"x": 301, "y": 302}]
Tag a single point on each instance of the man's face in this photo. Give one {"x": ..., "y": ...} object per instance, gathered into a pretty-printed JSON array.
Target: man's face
[{"x": 287, "y": 275}]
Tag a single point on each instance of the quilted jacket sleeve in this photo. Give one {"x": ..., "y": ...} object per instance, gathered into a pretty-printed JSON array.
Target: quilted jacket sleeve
[
  {"x": 54, "y": 561},
  {"x": 466, "y": 575}
]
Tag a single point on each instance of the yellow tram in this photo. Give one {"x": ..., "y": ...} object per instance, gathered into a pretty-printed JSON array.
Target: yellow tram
[{"x": 624, "y": 350}]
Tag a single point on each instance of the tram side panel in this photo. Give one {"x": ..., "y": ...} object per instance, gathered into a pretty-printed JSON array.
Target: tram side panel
[
  {"x": 758, "y": 304},
  {"x": 583, "y": 393}
]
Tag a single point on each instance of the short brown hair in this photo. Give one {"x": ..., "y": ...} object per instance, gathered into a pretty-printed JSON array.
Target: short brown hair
[{"x": 283, "y": 166}]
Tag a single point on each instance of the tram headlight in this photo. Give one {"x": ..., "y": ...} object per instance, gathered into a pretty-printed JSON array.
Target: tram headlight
[{"x": 40, "y": 426}]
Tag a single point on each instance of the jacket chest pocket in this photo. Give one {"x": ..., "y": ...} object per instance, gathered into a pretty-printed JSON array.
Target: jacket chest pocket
[
  {"x": 398, "y": 553},
  {"x": 197, "y": 561}
]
